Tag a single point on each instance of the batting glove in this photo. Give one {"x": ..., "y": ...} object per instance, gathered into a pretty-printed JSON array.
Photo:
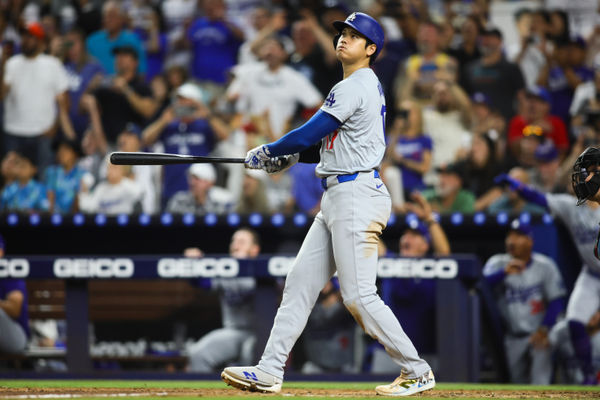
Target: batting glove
[
  {"x": 506, "y": 180},
  {"x": 278, "y": 164},
  {"x": 256, "y": 158}
]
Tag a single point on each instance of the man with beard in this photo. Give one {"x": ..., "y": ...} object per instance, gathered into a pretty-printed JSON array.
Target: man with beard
[
  {"x": 33, "y": 84},
  {"x": 493, "y": 75},
  {"x": 448, "y": 196}
]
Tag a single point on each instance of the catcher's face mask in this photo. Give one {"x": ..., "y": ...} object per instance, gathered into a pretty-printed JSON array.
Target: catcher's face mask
[{"x": 586, "y": 175}]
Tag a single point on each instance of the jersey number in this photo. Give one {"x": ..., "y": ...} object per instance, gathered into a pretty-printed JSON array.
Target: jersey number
[{"x": 329, "y": 139}]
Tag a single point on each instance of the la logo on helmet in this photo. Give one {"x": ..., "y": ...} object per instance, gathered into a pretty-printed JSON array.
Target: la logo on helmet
[{"x": 351, "y": 17}]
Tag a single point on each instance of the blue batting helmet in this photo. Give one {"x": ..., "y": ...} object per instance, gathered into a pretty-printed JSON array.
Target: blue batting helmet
[{"x": 366, "y": 26}]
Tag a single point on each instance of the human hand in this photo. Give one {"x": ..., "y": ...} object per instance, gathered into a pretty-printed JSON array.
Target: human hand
[
  {"x": 506, "y": 180},
  {"x": 256, "y": 158},
  {"x": 278, "y": 164},
  {"x": 119, "y": 83},
  {"x": 420, "y": 207},
  {"x": 539, "y": 339},
  {"x": 514, "y": 266},
  {"x": 168, "y": 115}
]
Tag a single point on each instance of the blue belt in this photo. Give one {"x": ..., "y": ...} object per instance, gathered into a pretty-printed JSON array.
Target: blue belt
[{"x": 346, "y": 178}]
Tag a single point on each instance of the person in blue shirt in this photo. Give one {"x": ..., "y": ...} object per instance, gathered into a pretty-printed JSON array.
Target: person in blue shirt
[
  {"x": 25, "y": 194},
  {"x": 63, "y": 180},
  {"x": 215, "y": 43},
  {"x": 83, "y": 72},
  {"x": 152, "y": 34},
  {"x": 101, "y": 44},
  {"x": 186, "y": 127},
  {"x": 14, "y": 320}
]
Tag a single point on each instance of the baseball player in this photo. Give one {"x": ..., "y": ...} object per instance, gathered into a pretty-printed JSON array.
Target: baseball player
[
  {"x": 582, "y": 224},
  {"x": 529, "y": 291},
  {"x": 235, "y": 341},
  {"x": 354, "y": 210}
]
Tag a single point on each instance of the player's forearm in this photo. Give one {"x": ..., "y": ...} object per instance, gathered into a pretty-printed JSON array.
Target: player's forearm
[
  {"x": 153, "y": 131},
  {"x": 319, "y": 126},
  {"x": 495, "y": 278},
  {"x": 554, "y": 308}
]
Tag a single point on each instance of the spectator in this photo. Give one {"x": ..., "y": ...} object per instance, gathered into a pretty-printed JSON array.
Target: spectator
[
  {"x": 146, "y": 176},
  {"x": 493, "y": 75},
  {"x": 25, "y": 194},
  {"x": 124, "y": 97},
  {"x": 313, "y": 55},
  {"x": 510, "y": 202},
  {"x": 468, "y": 50},
  {"x": 253, "y": 198},
  {"x": 62, "y": 181},
  {"x": 213, "y": 34},
  {"x": 84, "y": 75},
  {"x": 545, "y": 175},
  {"x": 8, "y": 168},
  {"x": 448, "y": 196},
  {"x": 481, "y": 169},
  {"x": 202, "y": 197},
  {"x": 563, "y": 73},
  {"x": 234, "y": 342},
  {"x": 447, "y": 122},
  {"x": 14, "y": 320},
  {"x": 265, "y": 22},
  {"x": 150, "y": 31},
  {"x": 485, "y": 120},
  {"x": 89, "y": 16},
  {"x": 530, "y": 51},
  {"x": 409, "y": 153},
  {"x": 33, "y": 83},
  {"x": 329, "y": 335},
  {"x": 101, "y": 44},
  {"x": 423, "y": 70},
  {"x": 537, "y": 113},
  {"x": 188, "y": 126},
  {"x": 272, "y": 89},
  {"x": 587, "y": 97},
  {"x": 118, "y": 194},
  {"x": 413, "y": 299},
  {"x": 530, "y": 294},
  {"x": 558, "y": 26}
]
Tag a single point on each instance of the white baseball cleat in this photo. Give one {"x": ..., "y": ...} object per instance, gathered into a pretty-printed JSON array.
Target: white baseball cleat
[
  {"x": 251, "y": 379},
  {"x": 403, "y": 386}
]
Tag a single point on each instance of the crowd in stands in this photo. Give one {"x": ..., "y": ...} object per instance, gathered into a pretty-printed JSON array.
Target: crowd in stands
[{"x": 84, "y": 78}]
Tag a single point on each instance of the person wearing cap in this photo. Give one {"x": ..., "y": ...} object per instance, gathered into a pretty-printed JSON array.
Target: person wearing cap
[
  {"x": 413, "y": 299},
  {"x": 203, "y": 196},
  {"x": 117, "y": 194},
  {"x": 448, "y": 195},
  {"x": 546, "y": 173},
  {"x": 14, "y": 318},
  {"x": 62, "y": 181},
  {"x": 34, "y": 90},
  {"x": 272, "y": 89},
  {"x": 101, "y": 44},
  {"x": 530, "y": 294},
  {"x": 188, "y": 126},
  {"x": 485, "y": 120},
  {"x": 564, "y": 71},
  {"x": 214, "y": 42},
  {"x": 424, "y": 69},
  {"x": 493, "y": 75},
  {"x": 25, "y": 194},
  {"x": 536, "y": 112},
  {"x": 124, "y": 97}
]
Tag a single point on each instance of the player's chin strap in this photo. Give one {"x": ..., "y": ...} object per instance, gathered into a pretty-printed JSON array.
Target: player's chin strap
[{"x": 585, "y": 189}]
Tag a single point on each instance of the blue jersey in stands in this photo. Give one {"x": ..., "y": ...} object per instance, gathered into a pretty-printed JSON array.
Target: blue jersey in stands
[{"x": 194, "y": 138}]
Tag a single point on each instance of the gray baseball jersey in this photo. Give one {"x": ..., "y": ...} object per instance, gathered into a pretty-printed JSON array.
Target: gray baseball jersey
[
  {"x": 358, "y": 103},
  {"x": 582, "y": 223},
  {"x": 344, "y": 234},
  {"x": 522, "y": 297}
]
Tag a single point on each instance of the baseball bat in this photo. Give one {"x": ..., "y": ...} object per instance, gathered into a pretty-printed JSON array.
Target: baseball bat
[{"x": 141, "y": 158}]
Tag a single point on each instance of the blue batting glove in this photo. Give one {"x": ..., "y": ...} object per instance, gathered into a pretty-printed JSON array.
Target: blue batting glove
[
  {"x": 256, "y": 158},
  {"x": 505, "y": 180}
]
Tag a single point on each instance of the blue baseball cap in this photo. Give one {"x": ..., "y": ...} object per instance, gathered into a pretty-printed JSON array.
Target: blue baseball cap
[
  {"x": 546, "y": 152},
  {"x": 420, "y": 228},
  {"x": 521, "y": 227},
  {"x": 540, "y": 93},
  {"x": 480, "y": 98}
]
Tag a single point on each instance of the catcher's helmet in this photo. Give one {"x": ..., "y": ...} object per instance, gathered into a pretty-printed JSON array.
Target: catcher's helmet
[
  {"x": 366, "y": 26},
  {"x": 581, "y": 170}
]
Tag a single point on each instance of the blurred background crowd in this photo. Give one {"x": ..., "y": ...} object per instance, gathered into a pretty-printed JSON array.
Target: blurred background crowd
[{"x": 474, "y": 89}]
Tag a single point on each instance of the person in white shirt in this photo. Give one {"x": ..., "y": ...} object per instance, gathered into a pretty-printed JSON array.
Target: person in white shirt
[
  {"x": 33, "y": 84},
  {"x": 117, "y": 195},
  {"x": 271, "y": 87}
]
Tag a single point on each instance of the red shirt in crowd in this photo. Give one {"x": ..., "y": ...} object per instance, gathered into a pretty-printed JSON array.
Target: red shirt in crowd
[{"x": 558, "y": 134}]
